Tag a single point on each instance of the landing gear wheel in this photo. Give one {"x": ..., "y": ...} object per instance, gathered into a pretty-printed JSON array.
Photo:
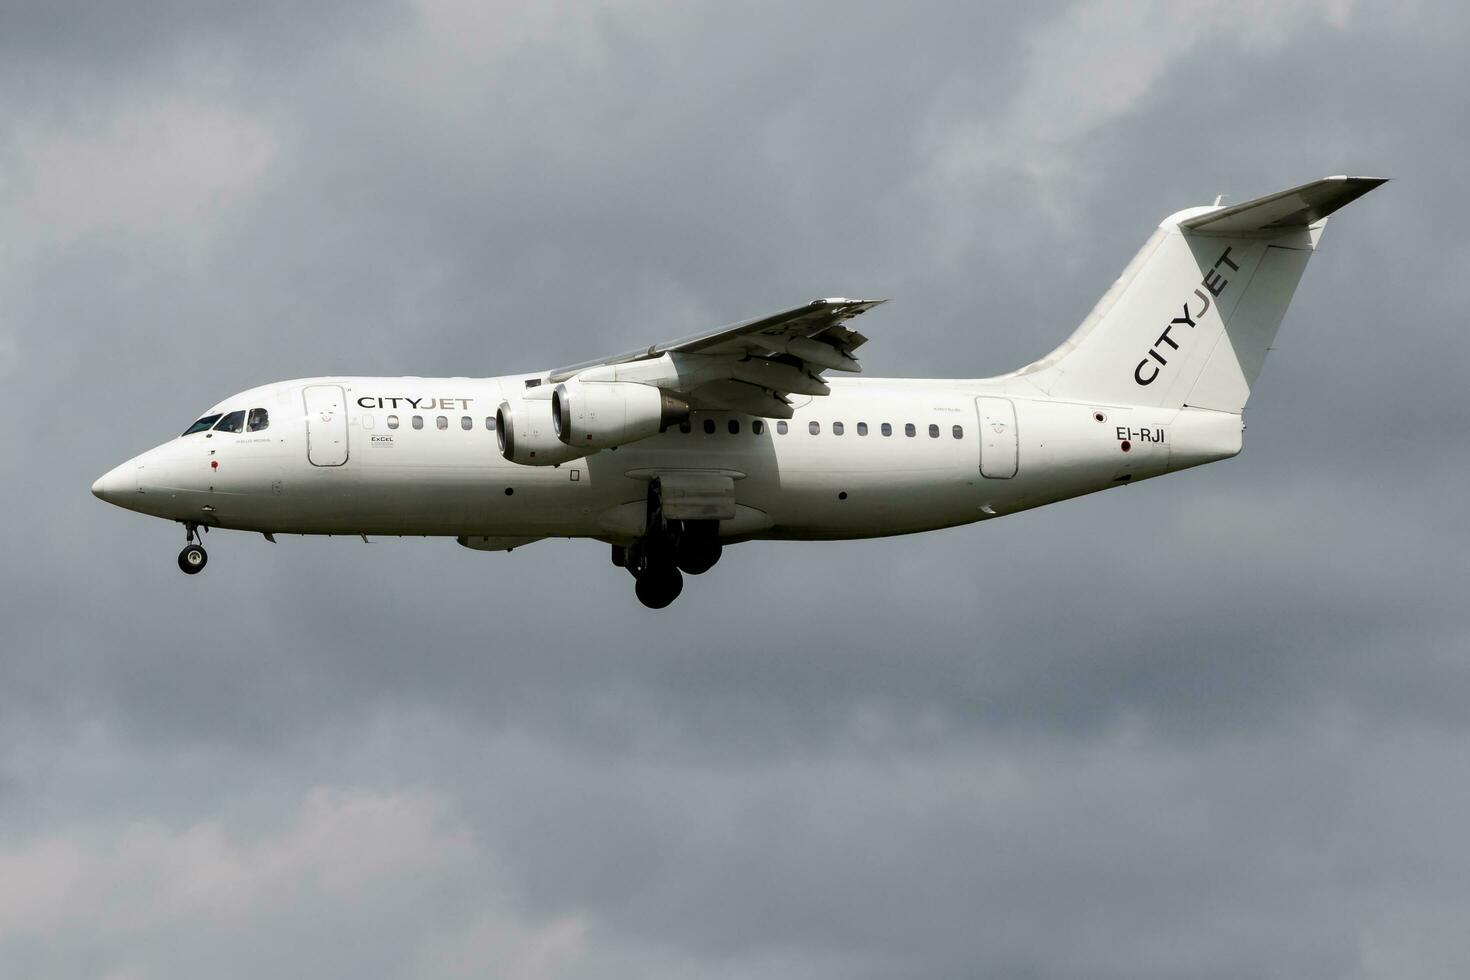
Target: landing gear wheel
[
  {"x": 700, "y": 559},
  {"x": 192, "y": 559},
  {"x": 659, "y": 585},
  {"x": 697, "y": 546}
]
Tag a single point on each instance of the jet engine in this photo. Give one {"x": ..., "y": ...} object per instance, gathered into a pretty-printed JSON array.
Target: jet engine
[
  {"x": 526, "y": 434},
  {"x": 591, "y": 415}
]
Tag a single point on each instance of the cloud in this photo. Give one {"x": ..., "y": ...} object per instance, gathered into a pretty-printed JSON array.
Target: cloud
[
  {"x": 1096, "y": 62},
  {"x": 1129, "y": 852},
  {"x": 148, "y": 877},
  {"x": 147, "y": 898},
  {"x": 1204, "y": 726},
  {"x": 168, "y": 165}
]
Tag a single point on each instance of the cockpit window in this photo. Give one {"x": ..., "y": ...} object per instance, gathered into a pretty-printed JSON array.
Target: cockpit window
[
  {"x": 202, "y": 424},
  {"x": 259, "y": 419},
  {"x": 233, "y": 422}
]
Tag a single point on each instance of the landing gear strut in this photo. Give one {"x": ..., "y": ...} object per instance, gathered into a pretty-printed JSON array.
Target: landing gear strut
[
  {"x": 193, "y": 558},
  {"x": 667, "y": 550}
]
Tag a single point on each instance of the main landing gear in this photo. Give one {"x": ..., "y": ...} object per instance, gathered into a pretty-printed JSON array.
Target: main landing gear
[
  {"x": 193, "y": 558},
  {"x": 668, "y": 550}
]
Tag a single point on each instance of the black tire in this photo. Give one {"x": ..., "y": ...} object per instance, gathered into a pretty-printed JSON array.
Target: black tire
[
  {"x": 697, "y": 546},
  {"x": 193, "y": 559},
  {"x": 701, "y": 558},
  {"x": 659, "y": 586}
]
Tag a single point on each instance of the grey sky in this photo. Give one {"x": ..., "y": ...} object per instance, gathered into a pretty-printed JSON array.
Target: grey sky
[{"x": 1210, "y": 726}]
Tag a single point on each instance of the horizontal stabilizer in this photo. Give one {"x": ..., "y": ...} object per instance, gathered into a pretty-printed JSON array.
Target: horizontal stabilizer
[{"x": 1295, "y": 208}]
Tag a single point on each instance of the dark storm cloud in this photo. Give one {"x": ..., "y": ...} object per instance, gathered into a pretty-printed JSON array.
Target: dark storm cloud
[{"x": 1209, "y": 726}]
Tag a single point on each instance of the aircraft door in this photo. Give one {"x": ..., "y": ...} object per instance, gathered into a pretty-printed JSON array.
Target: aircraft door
[
  {"x": 999, "y": 446},
  {"x": 326, "y": 424}
]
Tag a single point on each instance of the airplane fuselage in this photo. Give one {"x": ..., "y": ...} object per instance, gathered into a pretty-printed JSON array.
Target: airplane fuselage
[{"x": 419, "y": 456}]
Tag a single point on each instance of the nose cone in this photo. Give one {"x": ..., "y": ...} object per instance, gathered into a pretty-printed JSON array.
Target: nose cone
[{"x": 117, "y": 484}]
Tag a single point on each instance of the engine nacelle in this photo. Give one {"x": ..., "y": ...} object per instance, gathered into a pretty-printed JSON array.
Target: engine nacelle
[
  {"x": 590, "y": 415},
  {"x": 527, "y": 436}
]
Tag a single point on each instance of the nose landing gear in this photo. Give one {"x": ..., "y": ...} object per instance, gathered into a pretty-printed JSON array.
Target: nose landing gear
[{"x": 193, "y": 558}]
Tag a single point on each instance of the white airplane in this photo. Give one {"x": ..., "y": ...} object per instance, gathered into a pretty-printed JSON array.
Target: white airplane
[{"x": 671, "y": 451}]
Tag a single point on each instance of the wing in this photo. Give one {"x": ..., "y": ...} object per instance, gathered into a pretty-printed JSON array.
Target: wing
[{"x": 753, "y": 366}]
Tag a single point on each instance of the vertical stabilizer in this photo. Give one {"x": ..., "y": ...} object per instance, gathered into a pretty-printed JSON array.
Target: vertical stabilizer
[{"x": 1191, "y": 318}]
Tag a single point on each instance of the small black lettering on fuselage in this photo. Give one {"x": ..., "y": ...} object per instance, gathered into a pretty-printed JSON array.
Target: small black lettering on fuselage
[
  {"x": 1155, "y": 434},
  {"x": 1213, "y": 283},
  {"x": 421, "y": 404}
]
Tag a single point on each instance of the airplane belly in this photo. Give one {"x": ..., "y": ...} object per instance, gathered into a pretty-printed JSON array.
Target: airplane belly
[
  {"x": 862, "y": 504},
  {"x": 482, "y": 499}
]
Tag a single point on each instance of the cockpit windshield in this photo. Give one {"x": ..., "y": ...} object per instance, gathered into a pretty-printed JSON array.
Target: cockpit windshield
[
  {"x": 257, "y": 420},
  {"x": 202, "y": 424}
]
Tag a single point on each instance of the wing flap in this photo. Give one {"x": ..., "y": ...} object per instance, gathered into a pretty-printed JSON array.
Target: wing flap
[{"x": 738, "y": 396}]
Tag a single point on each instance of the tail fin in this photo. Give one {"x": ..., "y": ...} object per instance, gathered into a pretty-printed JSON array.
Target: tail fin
[{"x": 1190, "y": 319}]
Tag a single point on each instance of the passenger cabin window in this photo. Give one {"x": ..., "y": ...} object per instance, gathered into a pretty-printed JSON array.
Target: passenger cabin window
[
  {"x": 734, "y": 426},
  {"x": 466, "y": 423},
  {"x": 259, "y": 419},
  {"x": 685, "y": 427},
  {"x": 781, "y": 427},
  {"x": 908, "y": 429},
  {"x": 203, "y": 424},
  {"x": 442, "y": 422},
  {"x": 837, "y": 429},
  {"x": 233, "y": 422},
  {"x": 709, "y": 427},
  {"x": 418, "y": 421},
  {"x": 815, "y": 428},
  {"x": 392, "y": 421},
  {"x": 933, "y": 431},
  {"x": 757, "y": 427},
  {"x": 959, "y": 433},
  {"x": 862, "y": 428},
  {"x": 489, "y": 423},
  {"x": 886, "y": 429}
]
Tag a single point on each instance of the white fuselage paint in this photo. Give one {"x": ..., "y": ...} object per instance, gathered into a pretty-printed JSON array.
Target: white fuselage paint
[{"x": 454, "y": 482}]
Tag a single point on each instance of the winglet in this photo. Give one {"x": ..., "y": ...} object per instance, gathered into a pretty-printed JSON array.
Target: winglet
[{"x": 1294, "y": 208}]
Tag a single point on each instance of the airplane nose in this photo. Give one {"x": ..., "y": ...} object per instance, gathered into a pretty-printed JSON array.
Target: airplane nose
[{"x": 116, "y": 484}]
